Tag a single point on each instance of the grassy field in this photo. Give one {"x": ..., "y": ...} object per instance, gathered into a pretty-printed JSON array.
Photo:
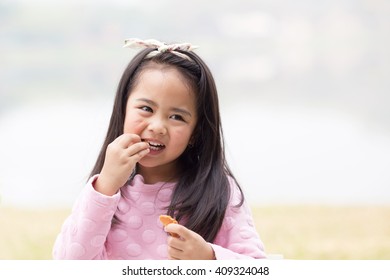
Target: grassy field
[
  {"x": 296, "y": 232},
  {"x": 318, "y": 232}
]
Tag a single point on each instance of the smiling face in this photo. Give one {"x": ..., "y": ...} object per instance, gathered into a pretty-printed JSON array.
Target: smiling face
[{"x": 165, "y": 105}]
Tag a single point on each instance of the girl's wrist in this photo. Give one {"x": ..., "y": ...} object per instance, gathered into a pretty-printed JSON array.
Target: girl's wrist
[
  {"x": 212, "y": 255},
  {"x": 103, "y": 187}
]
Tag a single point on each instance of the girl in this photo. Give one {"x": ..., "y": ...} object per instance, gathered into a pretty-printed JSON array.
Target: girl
[{"x": 163, "y": 154}]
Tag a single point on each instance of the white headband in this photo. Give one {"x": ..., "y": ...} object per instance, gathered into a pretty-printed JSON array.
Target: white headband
[{"x": 133, "y": 43}]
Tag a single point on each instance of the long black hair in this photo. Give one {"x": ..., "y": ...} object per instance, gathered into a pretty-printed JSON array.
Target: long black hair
[{"x": 203, "y": 191}]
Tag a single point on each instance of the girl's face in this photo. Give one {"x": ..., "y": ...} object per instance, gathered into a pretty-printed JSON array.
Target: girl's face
[{"x": 161, "y": 109}]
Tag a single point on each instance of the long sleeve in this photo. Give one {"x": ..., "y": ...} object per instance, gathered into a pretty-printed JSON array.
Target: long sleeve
[
  {"x": 85, "y": 231},
  {"x": 238, "y": 238},
  {"x": 88, "y": 233}
]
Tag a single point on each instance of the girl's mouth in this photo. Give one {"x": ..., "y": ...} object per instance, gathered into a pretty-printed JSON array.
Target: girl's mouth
[{"x": 154, "y": 146}]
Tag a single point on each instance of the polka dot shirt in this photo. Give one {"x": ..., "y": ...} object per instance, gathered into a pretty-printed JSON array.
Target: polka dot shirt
[{"x": 126, "y": 226}]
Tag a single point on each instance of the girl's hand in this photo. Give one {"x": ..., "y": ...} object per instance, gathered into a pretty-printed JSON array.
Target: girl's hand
[
  {"x": 121, "y": 157},
  {"x": 189, "y": 246}
]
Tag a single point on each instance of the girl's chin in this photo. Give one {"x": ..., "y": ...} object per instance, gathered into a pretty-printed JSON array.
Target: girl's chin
[
  {"x": 154, "y": 152},
  {"x": 150, "y": 162}
]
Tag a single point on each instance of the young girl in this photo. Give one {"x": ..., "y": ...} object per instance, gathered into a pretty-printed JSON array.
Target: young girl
[{"x": 163, "y": 154}]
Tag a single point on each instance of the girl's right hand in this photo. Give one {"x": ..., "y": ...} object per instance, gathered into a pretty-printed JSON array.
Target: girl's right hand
[{"x": 121, "y": 157}]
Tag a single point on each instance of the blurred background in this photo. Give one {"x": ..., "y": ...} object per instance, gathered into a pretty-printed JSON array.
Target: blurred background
[{"x": 304, "y": 93}]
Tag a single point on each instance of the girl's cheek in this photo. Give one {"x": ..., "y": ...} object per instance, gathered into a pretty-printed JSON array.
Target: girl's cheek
[
  {"x": 182, "y": 136},
  {"x": 131, "y": 122}
]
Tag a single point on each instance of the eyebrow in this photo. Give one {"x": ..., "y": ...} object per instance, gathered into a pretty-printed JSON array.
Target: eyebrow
[{"x": 175, "y": 109}]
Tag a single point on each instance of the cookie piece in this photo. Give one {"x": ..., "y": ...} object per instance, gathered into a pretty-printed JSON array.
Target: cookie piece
[{"x": 166, "y": 220}]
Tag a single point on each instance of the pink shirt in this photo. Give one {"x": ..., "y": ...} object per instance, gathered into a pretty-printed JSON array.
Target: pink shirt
[{"x": 89, "y": 233}]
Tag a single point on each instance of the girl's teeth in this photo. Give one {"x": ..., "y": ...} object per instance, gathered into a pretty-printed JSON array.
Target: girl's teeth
[{"x": 155, "y": 146}]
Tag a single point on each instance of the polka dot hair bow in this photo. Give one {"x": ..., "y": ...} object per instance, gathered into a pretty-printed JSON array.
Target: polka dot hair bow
[{"x": 134, "y": 43}]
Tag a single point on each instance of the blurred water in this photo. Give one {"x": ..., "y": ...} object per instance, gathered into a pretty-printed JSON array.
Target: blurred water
[
  {"x": 280, "y": 155},
  {"x": 302, "y": 155},
  {"x": 48, "y": 150}
]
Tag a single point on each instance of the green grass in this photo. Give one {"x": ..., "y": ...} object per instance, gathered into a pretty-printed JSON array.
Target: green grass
[{"x": 296, "y": 232}]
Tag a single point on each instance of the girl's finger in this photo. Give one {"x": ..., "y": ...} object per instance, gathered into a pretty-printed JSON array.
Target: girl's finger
[
  {"x": 137, "y": 148},
  {"x": 126, "y": 140},
  {"x": 141, "y": 154},
  {"x": 182, "y": 231},
  {"x": 176, "y": 243},
  {"x": 174, "y": 253},
  {"x": 140, "y": 127}
]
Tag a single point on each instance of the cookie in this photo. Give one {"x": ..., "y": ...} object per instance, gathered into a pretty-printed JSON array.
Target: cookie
[{"x": 166, "y": 220}]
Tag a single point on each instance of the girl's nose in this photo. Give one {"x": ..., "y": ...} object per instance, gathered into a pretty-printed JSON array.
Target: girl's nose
[{"x": 157, "y": 126}]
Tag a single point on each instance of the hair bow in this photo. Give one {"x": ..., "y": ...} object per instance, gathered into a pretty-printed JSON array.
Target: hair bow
[{"x": 160, "y": 47}]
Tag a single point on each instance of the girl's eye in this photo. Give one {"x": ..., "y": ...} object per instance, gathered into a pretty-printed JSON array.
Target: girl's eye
[
  {"x": 177, "y": 117},
  {"x": 146, "y": 109}
]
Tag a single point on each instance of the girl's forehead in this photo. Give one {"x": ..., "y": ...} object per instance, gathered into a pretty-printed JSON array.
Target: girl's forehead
[
  {"x": 166, "y": 85},
  {"x": 166, "y": 68},
  {"x": 159, "y": 78},
  {"x": 156, "y": 69}
]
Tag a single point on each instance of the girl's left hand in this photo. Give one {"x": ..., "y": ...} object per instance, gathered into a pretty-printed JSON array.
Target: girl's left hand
[{"x": 189, "y": 246}]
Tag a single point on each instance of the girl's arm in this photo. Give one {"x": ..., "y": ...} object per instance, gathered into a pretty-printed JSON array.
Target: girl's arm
[
  {"x": 84, "y": 232},
  {"x": 238, "y": 238}
]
